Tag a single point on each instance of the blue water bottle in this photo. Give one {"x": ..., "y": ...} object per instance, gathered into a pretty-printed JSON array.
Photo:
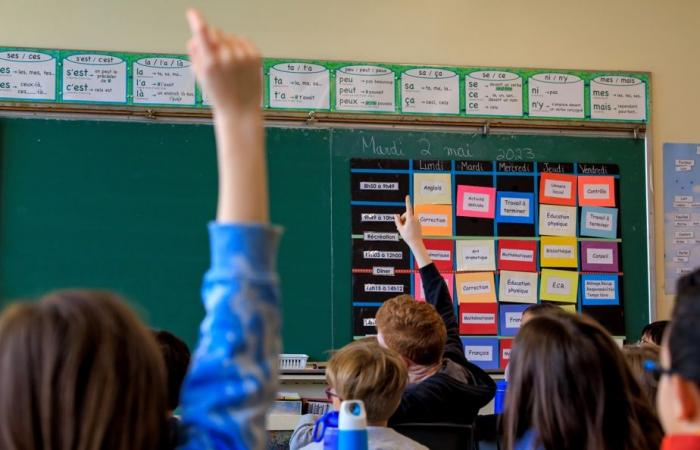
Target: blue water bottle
[
  {"x": 500, "y": 400},
  {"x": 326, "y": 430},
  {"x": 352, "y": 426}
]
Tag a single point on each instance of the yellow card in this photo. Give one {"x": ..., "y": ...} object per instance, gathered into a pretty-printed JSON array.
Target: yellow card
[
  {"x": 559, "y": 286},
  {"x": 432, "y": 189},
  {"x": 435, "y": 220},
  {"x": 569, "y": 308},
  {"x": 475, "y": 287},
  {"x": 558, "y": 251}
]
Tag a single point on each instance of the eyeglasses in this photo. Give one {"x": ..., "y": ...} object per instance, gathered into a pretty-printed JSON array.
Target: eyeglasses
[
  {"x": 656, "y": 370},
  {"x": 330, "y": 393}
]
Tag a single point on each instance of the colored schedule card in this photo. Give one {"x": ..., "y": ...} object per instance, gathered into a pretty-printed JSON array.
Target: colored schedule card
[
  {"x": 436, "y": 220},
  {"x": 559, "y": 286},
  {"x": 477, "y": 255},
  {"x": 478, "y": 318},
  {"x": 558, "y": 189},
  {"x": 600, "y": 290},
  {"x": 518, "y": 287},
  {"x": 506, "y": 346},
  {"x": 510, "y": 318},
  {"x": 482, "y": 351},
  {"x": 557, "y": 220},
  {"x": 419, "y": 293},
  {"x": 558, "y": 95},
  {"x": 364, "y": 88},
  {"x": 515, "y": 207},
  {"x": 432, "y": 188},
  {"x": 494, "y": 93},
  {"x": 517, "y": 255},
  {"x": 430, "y": 90},
  {"x": 596, "y": 191},
  {"x": 296, "y": 85},
  {"x": 94, "y": 78},
  {"x": 599, "y": 256},
  {"x": 599, "y": 222},
  {"x": 441, "y": 251},
  {"x": 27, "y": 75},
  {"x": 476, "y": 201},
  {"x": 477, "y": 287},
  {"x": 163, "y": 81},
  {"x": 558, "y": 251}
]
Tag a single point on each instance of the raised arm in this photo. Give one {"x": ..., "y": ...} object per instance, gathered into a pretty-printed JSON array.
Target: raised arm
[
  {"x": 434, "y": 286},
  {"x": 233, "y": 377}
]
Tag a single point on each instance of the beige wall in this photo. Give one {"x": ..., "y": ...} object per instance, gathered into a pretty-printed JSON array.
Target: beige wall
[{"x": 660, "y": 36}]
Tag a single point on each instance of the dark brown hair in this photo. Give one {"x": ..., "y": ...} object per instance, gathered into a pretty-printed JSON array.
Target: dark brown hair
[
  {"x": 636, "y": 356},
  {"x": 79, "y": 372},
  {"x": 176, "y": 356},
  {"x": 413, "y": 329},
  {"x": 570, "y": 385},
  {"x": 363, "y": 370}
]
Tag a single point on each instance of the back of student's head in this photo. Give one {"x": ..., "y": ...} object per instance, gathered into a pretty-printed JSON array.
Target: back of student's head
[
  {"x": 540, "y": 309},
  {"x": 636, "y": 357},
  {"x": 413, "y": 329},
  {"x": 570, "y": 385},
  {"x": 654, "y": 332},
  {"x": 363, "y": 370},
  {"x": 176, "y": 356},
  {"x": 79, "y": 371}
]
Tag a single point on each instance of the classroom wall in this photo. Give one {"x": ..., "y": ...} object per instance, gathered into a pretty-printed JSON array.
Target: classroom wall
[{"x": 662, "y": 37}]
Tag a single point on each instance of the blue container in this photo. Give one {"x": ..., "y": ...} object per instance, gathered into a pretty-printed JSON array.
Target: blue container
[
  {"x": 500, "y": 400},
  {"x": 352, "y": 440},
  {"x": 326, "y": 430}
]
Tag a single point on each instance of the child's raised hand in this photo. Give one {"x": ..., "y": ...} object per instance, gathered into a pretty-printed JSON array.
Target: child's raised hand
[
  {"x": 227, "y": 66},
  {"x": 408, "y": 226}
]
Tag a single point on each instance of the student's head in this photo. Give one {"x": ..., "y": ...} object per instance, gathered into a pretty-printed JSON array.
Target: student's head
[
  {"x": 79, "y": 371},
  {"x": 176, "y": 356},
  {"x": 413, "y": 329},
  {"x": 636, "y": 356},
  {"x": 678, "y": 399},
  {"x": 653, "y": 333},
  {"x": 539, "y": 309},
  {"x": 363, "y": 370},
  {"x": 571, "y": 386}
]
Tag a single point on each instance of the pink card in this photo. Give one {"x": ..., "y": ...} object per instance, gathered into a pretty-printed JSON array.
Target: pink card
[
  {"x": 418, "y": 288},
  {"x": 476, "y": 201}
]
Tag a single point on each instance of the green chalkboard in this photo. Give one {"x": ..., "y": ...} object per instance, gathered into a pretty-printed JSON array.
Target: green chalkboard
[{"x": 123, "y": 206}]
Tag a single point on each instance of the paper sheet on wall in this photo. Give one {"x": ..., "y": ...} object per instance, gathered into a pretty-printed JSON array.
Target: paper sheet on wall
[
  {"x": 296, "y": 85},
  {"x": 27, "y": 75},
  {"x": 494, "y": 93},
  {"x": 94, "y": 78}
]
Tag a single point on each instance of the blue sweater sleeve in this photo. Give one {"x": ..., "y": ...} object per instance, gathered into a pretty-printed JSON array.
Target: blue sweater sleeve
[{"x": 233, "y": 377}]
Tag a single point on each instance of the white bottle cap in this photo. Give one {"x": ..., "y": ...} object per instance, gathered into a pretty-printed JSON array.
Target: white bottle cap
[{"x": 352, "y": 415}]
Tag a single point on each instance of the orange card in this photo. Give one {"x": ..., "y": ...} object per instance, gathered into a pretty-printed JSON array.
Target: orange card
[
  {"x": 596, "y": 191},
  {"x": 436, "y": 220},
  {"x": 558, "y": 189},
  {"x": 475, "y": 287}
]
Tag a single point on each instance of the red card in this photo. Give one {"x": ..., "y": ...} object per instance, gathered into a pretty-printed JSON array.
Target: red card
[
  {"x": 441, "y": 251},
  {"x": 478, "y": 318},
  {"x": 517, "y": 255},
  {"x": 596, "y": 191},
  {"x": 506, "y": 346},
  {"x": 558, "y": 189},
  {"x": 418, "y": 288}
]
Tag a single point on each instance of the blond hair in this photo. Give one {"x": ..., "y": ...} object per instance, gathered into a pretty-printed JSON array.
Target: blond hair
[
  {"x": 363, "y": 370},
  {"x": 414, "y": 329}
]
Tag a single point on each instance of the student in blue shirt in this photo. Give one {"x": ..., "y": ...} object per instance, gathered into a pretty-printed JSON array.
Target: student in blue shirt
[{"x": 79, "y": 370}]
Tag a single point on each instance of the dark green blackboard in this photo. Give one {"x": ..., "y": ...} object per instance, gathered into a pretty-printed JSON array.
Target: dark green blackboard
[{"x": 123, "y": 205}]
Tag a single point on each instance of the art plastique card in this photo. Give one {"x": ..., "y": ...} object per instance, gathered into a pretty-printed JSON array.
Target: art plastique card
[{"x": 476, "y": 255}]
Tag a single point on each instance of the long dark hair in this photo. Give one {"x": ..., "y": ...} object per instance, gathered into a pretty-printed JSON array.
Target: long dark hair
[
  {"x": 571, "y": 386},
  {"x": 684, "y": 332},
  {"x": 79, "y": 371}
]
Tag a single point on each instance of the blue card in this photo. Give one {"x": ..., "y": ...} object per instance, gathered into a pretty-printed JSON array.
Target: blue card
[
  {"x": 482, "y": 351},
  {"x": 599, "y": 222},
  {"x": 600, "y": 289},
  {"x": 510, "y": 317},
  {"x": 515, "y": 207}
]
